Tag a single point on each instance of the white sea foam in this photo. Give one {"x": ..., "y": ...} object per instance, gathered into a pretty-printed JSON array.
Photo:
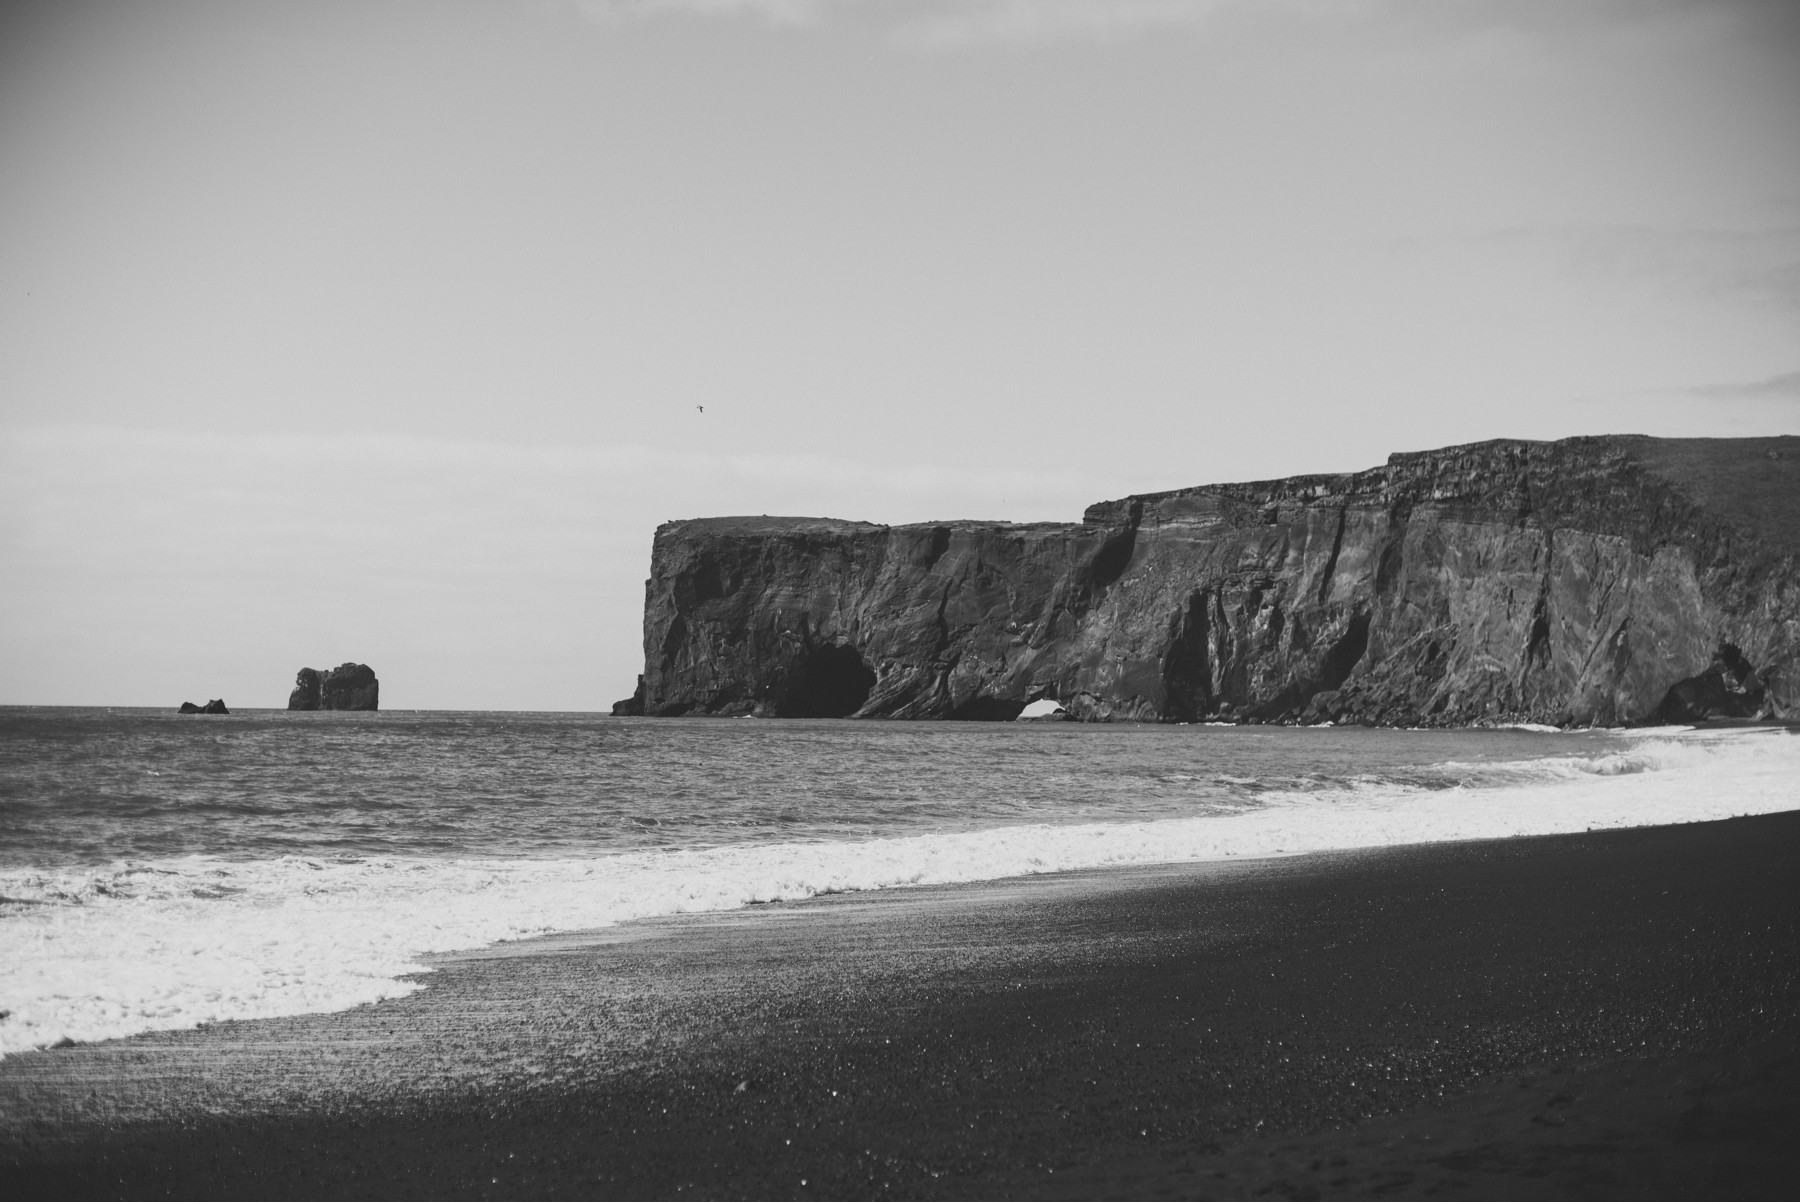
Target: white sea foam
[{"x": 94, "y": 954}]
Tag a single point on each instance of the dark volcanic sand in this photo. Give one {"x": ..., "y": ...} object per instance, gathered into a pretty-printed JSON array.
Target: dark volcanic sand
[{"x": 1609, "y": 1015}]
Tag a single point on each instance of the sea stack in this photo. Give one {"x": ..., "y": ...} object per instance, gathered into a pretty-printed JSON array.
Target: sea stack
[
  {"x": 1596, "y": 580},
  {"x": 215, "y": 706},
  {"x": 345, "y": 687}
]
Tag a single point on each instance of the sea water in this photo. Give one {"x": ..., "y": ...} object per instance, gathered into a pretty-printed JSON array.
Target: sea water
[{"x": 160, "y": 871}]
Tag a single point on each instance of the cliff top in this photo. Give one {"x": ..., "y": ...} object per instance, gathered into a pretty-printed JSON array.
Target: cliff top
[{"x": 1753, "y": 483}]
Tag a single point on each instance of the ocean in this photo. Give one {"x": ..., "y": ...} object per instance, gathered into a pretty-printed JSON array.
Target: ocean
[{"x": 160, "y": 871}]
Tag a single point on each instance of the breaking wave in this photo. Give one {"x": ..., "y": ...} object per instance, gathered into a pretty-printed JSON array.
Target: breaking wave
[{"x": 96, "y": 953}]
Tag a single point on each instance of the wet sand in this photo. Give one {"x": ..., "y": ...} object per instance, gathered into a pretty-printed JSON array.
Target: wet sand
[{"x": 1611, "y": 1015}]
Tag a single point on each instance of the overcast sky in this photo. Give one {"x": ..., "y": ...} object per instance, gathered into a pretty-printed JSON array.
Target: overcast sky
[{"x": 376, "y": 329}]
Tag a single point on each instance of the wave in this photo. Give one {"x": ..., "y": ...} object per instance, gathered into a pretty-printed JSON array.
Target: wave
[{"x": 89, "y": 954}]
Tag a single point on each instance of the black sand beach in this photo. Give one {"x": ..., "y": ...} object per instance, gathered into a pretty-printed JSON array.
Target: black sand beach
[{"x": 1610, "y": 1015}]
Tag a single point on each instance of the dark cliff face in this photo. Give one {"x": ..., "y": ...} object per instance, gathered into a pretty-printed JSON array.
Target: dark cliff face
[
  {"x": 1593, "y": 580},
  {"x": 345, "y": 687}
]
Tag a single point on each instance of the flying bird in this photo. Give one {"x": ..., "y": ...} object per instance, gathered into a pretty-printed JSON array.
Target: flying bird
[{"x": 701, "y": 408}]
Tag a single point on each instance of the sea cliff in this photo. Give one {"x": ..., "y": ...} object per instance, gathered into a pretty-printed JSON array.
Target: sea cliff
[{"x": 1605, "y": 580}]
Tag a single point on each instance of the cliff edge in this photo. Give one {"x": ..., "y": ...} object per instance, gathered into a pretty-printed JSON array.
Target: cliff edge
[{"x": 1606, "y": 580}]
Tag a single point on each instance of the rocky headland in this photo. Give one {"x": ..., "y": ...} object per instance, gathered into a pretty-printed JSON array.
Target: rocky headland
[
  {"x": 345, "y": 687},
  {"x": 1607, "y": 580}
]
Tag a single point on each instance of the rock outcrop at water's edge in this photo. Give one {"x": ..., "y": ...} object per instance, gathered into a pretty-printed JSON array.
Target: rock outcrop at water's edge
[
  {"x": 632, "y": 706},
  {"x": 345, "y": 687},
  {"x": 215, "y": 706},
  {"x": 1602, "y": 580}
]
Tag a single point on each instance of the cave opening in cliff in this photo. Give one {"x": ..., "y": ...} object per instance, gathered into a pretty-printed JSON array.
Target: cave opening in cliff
[
  {"x": 986, "y": 709},
  {"x": 1346, "y": 653},
  {"x": 1729, "y": 688},
  {"x": 828, "y": 682},
  {"x": 1187, "y": 668}
]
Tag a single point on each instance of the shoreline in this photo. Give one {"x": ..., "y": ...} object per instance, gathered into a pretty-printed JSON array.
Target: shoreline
[
  {"x": 378, "y": 917},
  {"x": 1026, "y": 1036}
]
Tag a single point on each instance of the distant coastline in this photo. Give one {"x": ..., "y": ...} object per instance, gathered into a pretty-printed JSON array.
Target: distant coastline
[{"x": 1607, "y": 581}]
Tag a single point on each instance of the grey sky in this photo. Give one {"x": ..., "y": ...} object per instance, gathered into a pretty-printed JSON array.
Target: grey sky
[{"x": 376, "y": 330}]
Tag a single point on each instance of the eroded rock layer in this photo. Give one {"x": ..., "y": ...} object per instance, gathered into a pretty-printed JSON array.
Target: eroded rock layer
[{"x": 1594, "y": 580}]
